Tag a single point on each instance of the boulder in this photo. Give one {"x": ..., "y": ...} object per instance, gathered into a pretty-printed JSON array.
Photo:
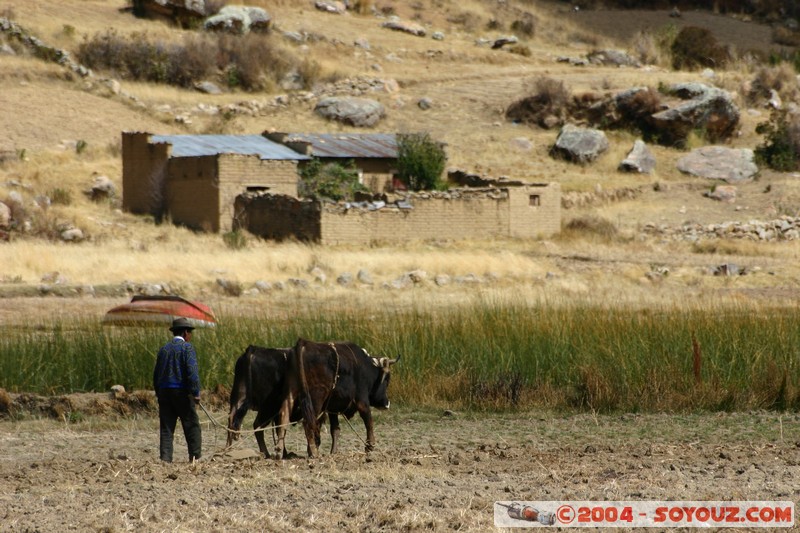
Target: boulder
[
  {"x": 102, "y": 188},
  {"x": 239, "y": 20},
  {"x": 704, "y": 108},
  {"x": 359, "y": 112},
  {"x": 640, "y": 159},
  {"x": 719, "y": 162},
  {"x": 337, "y": 8},
  {"x": 723, "y": 193},
  {"x": 180, "y": 11},
  {"x": 207, "y": 87},
  {"x": 406, "y": 27},
  {"x": 579, "y": 145},
  {"x": 502, "y": 41},
  {"x": 613, "y": 58}
]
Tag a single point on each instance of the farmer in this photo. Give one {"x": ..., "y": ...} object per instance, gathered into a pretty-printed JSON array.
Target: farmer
[{"x": 177, "y": 385}]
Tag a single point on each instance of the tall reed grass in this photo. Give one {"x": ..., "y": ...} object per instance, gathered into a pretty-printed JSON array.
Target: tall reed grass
[{"x": 489, "y": 355}]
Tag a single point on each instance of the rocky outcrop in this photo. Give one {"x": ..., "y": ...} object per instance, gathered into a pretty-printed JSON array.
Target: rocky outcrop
[
  {"x": 705, "y": 108},
  {"x": 359, "y": 112},
  {"x": 720, "y": 163},
  {"x": 579, "y": 145}
]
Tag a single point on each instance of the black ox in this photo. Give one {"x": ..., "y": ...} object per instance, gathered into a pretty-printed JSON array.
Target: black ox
[
  {"x": 334, "y": 378},
  {"x": 259, "y": 381}
]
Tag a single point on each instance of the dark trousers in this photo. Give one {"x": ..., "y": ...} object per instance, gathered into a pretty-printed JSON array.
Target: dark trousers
[{"x": 172, "y": 405}]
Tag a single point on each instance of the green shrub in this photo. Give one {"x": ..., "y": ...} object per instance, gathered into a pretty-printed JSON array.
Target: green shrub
[
  {"x": 329, "y": 180},
  {"x": 697, "y": 47},
  {"x": 781, "y": 148},
  {"x": 235, "y": 240},
  {"x": 420, "y": 161}
]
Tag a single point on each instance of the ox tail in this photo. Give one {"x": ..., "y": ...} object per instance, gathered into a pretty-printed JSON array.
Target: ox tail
[
  {"x": 239, "y": 401},
  {"x": 310, "y": 423}
]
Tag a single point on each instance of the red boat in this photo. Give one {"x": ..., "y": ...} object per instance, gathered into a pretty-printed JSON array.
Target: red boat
[{"x": 160, "y": 310}]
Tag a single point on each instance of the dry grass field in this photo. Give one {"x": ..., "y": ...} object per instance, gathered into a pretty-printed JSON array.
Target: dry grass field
[{"x": 431, "y": 472}]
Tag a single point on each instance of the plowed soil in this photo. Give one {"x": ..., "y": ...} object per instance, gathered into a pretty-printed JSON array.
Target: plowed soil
[{"x": 432, "y": 471}]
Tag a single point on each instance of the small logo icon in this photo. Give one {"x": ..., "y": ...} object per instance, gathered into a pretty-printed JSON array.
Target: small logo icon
[{"x": 565, "y": 514}]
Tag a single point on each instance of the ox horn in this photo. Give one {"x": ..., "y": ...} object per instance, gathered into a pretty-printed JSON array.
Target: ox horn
[{"x": 393, "y": 361}]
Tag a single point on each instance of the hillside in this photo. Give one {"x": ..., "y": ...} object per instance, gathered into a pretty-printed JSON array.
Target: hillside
[{"x": 49, "y": 111}]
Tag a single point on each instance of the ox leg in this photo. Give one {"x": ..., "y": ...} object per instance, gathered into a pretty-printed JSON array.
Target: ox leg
[
  {"x": 366, "y": 416},
  {"x": 334, "y": 431},
  {"x": 283, "y": 423},
  {"x": 311, "y": 437},
  {"x": 238, "y": 410},
  {"x": 260, "y": 422}
]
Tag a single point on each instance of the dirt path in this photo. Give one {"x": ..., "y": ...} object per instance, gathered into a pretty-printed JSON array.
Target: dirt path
[{"x": 431, "y": 472}]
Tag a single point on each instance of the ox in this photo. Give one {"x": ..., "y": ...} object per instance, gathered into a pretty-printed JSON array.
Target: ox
[
  {"x": 334, "y": 378},
  {"x": 258, "y": 384}
]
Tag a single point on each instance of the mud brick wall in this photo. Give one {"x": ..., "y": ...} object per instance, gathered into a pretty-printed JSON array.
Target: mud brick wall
[
  {"x": 521, "y": 212},
  {"x": 432, "y": 217},
  {"x": 238, "y": 172},
  {"x": 192, "y": 193},
  {"x": 278, "y": 217},
  {"x": 144, "y": 174},
  {"x": 535, "y": 210}
]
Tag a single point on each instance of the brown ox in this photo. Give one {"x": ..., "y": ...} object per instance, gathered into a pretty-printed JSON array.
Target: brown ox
[{"x": 334, "y": 378}]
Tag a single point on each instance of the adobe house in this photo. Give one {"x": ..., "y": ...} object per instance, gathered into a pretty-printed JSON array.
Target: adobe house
[
  {"x": 508, "y": 210},
  {"x": 374, "y": 154},
  {"x": 193, "y": 180}
]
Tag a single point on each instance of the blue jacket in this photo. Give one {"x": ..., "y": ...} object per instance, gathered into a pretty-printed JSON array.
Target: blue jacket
[{"x": 176, "y": 367}]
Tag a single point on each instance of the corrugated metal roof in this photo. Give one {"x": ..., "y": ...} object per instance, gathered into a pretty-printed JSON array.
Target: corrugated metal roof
[
  {"x": 356, "y": 145},
  {"x": 204, "y": 145}
]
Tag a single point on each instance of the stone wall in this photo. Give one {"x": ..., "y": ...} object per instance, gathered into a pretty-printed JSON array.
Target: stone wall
[{"x": 523, "y": 212}]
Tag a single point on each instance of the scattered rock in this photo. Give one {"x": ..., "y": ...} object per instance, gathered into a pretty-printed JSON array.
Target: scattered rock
[
  {"x": 640, "y": 159},
  {"x": 318, "y": 275},
  {"x": 728, "y": 269},
  {"x": 579, "y": 145},
  {"x": 345, "y": 279},
  {"x": 365, "y": 277},
  {"x": 231, "y": 288},
  {"x": 441, "y": 280},
  {"x": 732, "y": 165},
  {"x": 406, "y": 27},
  {"x": 723, "y": 193},
  {"x": 522, "y": 144},
  {"x": 437, "y": 36},
  {"x": 359, "y": 112},
  {"x": 207, "y": 87},
  {"x": 612, "y": 57},
  {"x": 102, "y": 188},
  {"x": 72, "y": 235},
  {"x": 239, "y": 20},
  {"x": 425, "y": 103},
  {"x": 502, "y": 41},
  {"x": 337, "y": 8}
]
